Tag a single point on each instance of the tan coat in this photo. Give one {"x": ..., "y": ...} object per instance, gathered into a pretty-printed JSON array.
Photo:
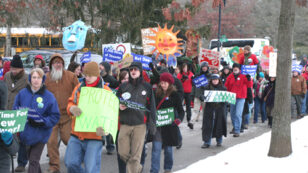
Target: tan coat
[
  {"x": 62, "y": 90},
  {"x": 14, "y": 87},
  {"x": 298, "y": 85}
]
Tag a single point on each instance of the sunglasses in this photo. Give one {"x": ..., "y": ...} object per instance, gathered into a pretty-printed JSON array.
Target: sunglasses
[{"x": 133, "y": 69}]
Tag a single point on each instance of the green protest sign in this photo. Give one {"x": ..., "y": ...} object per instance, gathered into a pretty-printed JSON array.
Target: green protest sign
[
  {"x": 219, "y": 96},
  {"x": 13, "y": 120},
  {"x": 164, "y": 117},
  {"x": 100, "y": 108}
]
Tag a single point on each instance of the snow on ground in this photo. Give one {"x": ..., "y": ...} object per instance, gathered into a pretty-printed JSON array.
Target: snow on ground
[{"x": 251, "y": 156}]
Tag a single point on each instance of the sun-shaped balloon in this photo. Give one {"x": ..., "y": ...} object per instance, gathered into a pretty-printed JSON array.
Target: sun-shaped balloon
[{"x": 166, "y": 42}]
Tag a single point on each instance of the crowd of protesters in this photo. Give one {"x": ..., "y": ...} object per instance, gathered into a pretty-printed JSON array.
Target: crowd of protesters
[{"x": 51, "y": 94}]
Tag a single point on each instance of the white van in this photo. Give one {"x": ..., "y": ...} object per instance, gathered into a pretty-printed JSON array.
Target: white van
[{"x": 256, "y": 44}]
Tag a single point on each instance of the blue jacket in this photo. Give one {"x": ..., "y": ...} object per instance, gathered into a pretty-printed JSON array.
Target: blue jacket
[{"x": 44, "y": 102}]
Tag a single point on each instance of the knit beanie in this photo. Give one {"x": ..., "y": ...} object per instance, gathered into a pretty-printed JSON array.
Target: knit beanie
[
  {"x": 261, "y": 75},
  {"x": 136, "y": 64},
  {"x": 167, "y": 77},
  {"x": 236, "y": 65},
  {"x": 91, "y": 69},
  {"x": 16, "y": 62}
]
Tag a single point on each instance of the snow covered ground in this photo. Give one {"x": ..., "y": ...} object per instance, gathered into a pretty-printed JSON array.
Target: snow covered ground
[{"x": 251, "y": 156}]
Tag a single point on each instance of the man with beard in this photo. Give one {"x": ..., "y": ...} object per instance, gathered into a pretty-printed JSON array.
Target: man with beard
[
  {"x": 248, "y": 58},
  {"x": 61, "y": 83},
  {"x": 15, "y": 80}
]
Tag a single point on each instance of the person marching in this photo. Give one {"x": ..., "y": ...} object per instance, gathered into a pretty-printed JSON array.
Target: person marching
[
  {"x": 166, "y": 136},
  {"x": 214, "y": 122},
  {"x": 43, "y": 115},
  {"x": 84, "y": 147}
]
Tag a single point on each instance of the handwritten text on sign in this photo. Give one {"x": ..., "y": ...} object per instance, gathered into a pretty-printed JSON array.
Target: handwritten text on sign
[
  {"x": 100, "y": 108},
  {"x": 210, "y": 56},
  {"x": 200, "y": 81},
  {"x": 13, "y": 120},
  {"x": 164, "y": 117}
]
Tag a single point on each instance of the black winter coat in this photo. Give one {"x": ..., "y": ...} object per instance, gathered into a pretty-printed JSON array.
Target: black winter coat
[
  {"x": 169, "y": 134},
  {"x": 214, "y": 112},
  {"x": 270, "y": 91}
]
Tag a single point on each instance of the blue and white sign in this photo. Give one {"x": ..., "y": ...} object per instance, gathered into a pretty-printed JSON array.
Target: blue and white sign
[
  {"x": 111, "y": 55},
  {"x": 86, "y": 57},
  {"x": 297, "y": 67},
  {"x": 200, "y": 81},
  {"x": 145, "y": 60},
  {"x": 249, "y": 69}
]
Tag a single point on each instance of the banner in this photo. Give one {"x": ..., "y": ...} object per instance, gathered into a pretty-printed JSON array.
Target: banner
[
  {"x": 125, "y": 48},
  {"x": 297, "y": 67},
  {"x": 272, "y": 64},
  {"x": 86, "y": 57},
  {"x": 145, "y": 60},
  {"x": 249, "y": 69},
  {"x": 164, "y": 117},
  {"x": 210, "y": 56},
  {"x": 147, "y": 48},
  {"x": 219, "y": 96},
  {"x": 13, "y": 120},
  {"x": 100, "y": 108},
  {"x": 111, "y": 55},
  {"x": 200, "y": 81},
  {"x": 124, "y": 63},
  {"x": 133, "y": 105}
]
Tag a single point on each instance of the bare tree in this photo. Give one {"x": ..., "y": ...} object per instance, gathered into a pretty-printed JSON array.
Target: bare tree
[{"x": 281, "y": 145}]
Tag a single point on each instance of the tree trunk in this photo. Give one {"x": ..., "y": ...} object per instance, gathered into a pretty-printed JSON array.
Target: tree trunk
[
  {"x": 8, "y": 41},
  {"x": 281, "y": 145}
]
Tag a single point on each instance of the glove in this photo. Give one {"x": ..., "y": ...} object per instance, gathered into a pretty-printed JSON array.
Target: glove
[
  {"x": 151, "y": 66},
  {"x": 248, "y": 77},
  {"x": 303, "y": 96},
  {"x": 75, "y": 110},
  {"x": 193, "y": 77},
  {"x": 100, "y": 132},
  {"x": 35, "y": 119},
  {"x": 177, "y": 121},
  {"x": 151, "y": 128},
  {"x": 202, "y": 98},
  {"x": 7, "y": 137},
  {"x": 184, "y": 77}
]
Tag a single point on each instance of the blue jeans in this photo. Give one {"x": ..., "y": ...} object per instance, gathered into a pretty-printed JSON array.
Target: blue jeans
[
  {"x": 236, "y": 111},
  {"x": 155, "y": 160},
  {"x": 304, "y": 102},
  {"x": 22, "y": 158},
  {"x": 88, "y": 152},
  {"x": 247, "y": 116},
  {"x": 180, "y": 136},
  {"x": 259, "y": 105}
]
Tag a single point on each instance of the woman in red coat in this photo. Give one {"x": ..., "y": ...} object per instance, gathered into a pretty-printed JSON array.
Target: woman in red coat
[{"x": 186, "y": 78}]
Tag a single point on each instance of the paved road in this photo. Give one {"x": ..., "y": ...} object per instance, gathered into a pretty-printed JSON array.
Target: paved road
[{"x": 190, "y": 152}]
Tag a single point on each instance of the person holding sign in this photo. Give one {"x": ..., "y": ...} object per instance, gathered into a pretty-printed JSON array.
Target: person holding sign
[
  {"x": 214, "y": 123},
  {"x": 84, "y": 147},
  {"x": 133, "y": 128},
  {"x": 170, "y": 114},
  {"x": 237, "y": 83},
  {"x": 43, "y": 115},
  {"x": 248, "y": 58}
]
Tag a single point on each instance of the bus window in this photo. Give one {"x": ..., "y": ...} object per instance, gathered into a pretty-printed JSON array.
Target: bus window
[
  {"x": 44, "y": 41},
  {"x": 55, "y": 42},
  {"x": 2, "y": 41},
  {"x": 34, "y": 42},
  {"x": 14, "y": 41},
  {"x": 22, "y": 41}
]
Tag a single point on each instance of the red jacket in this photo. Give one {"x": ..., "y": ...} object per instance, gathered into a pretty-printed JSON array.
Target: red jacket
[
  {"x": 187, "y": 84},
  {"x": 255, "y": 61},
  {"x": 238, "y": 86}
]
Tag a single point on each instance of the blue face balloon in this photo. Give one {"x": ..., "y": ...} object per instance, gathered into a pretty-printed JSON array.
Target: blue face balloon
[{"x": 74, "y": 36}]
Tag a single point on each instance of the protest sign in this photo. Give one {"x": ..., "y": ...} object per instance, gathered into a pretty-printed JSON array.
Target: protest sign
[
  {"x": 272, "y": 64},
  {"x": 200, "y": 81},
  {"x": 86, "y": 57},
  {"x": 124, "y": 63},
  {"x": 164, "y": 117},
  {"x": 100, "y": 108},
  {"x": 13, "y": 120},
  {"x": 125, "y": 48},
  {"x": 249, "y": 69},
  {"x": 145, "y": 60},
  {"x": 297, "y": 67},
  {"x": 147, "y": 48},
  {"x": 210, "y": 56},
  {"x": 111, "y": 55},
  {"x": 133, "y": 105},
  {"x": 219, "y": 96}
]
